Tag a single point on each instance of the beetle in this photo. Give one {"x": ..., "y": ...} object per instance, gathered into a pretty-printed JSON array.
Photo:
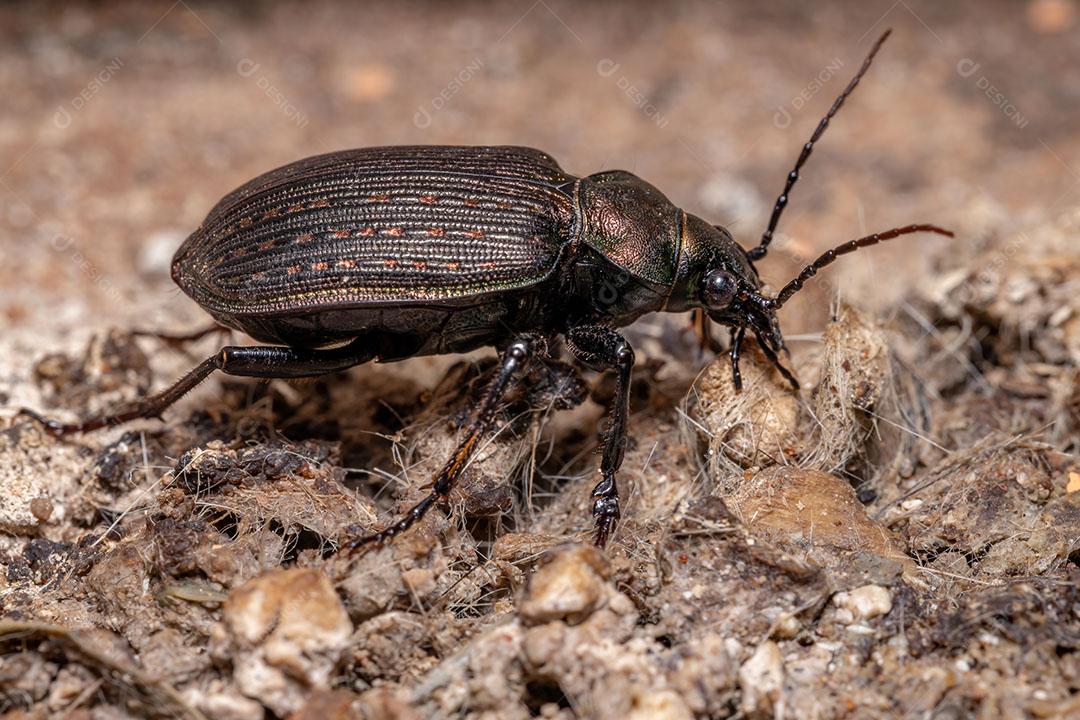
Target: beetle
[{"x": 382, "y": 254}]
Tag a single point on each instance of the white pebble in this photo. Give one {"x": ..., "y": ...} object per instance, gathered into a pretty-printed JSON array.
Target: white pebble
[
  {"x": 569, "y": 585},
  {"x": 868, "y": 601},
  {"x": 762, "y": 681}
]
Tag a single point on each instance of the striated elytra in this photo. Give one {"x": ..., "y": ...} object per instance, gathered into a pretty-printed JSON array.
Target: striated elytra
[
  {"x": 430, "y": 250},
  {"x": 388, "y": 253}
]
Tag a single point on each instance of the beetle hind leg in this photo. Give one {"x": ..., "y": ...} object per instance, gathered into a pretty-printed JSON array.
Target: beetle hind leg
[
  {"x": 249, "y": 361},
  {"x": 515, "y": 359}
]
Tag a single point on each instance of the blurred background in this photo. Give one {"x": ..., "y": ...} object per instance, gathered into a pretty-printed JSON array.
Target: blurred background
[{"x": 125, "y": 122}]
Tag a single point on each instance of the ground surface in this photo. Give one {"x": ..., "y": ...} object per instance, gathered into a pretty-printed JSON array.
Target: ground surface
[{"x": 899, "y": 540}]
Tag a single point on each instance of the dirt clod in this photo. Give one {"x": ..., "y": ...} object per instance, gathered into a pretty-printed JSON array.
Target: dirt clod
[
  {"x": 658, "y": 705},
  {"x": 569, "y": 585},
  {"x": 112, "y": 369},
  {"x": 284, "y": 632},
  {"x": 817, "y": 515},
  {"x": 24, "y": 488},
  {"x": 855, "y": 375},
  {"x": 755, "y": 426}
]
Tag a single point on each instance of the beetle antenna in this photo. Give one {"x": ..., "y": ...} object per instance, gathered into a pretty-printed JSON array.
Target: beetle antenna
[
  {"x": 781, "y": 202},
  {"x": 828, "y": 257}
]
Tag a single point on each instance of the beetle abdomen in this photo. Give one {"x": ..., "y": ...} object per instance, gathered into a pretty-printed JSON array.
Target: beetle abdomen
[{"x": 380, "y": 225}]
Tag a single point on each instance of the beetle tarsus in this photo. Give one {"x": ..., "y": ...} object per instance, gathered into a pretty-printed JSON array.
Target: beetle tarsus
[
  {"x": 415, "y": 513},
  {"x": 53, "y": 427},
  {"x": 152, "y": 406},
  {"x": 605, "y": 509}
]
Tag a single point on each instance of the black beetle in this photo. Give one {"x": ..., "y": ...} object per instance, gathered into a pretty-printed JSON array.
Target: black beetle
[{"x": 388, "y": 253}]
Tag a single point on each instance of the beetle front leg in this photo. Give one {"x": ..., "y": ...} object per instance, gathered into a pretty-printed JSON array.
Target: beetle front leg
[
  {"x": 771, "y": 357},
  {"x": 602, "y": 347},
  {"x": 737, "y": 335},
  {"x": 514, "y": 360},
  {"x": 266, "y": 361}
]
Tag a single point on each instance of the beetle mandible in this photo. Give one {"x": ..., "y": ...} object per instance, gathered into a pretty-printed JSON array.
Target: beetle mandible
[{"x": 381, "y": 254}]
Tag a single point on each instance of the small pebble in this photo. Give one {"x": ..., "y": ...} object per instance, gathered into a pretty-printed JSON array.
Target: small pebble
[
  {"x": 866, "y": 602},
  {"x": 658, "y": 705},
  {"x": 569, "y": 585},
  {"x": 41, "y": 508},
  {"x": 762, "y": 681},
  {"x": 419, "y": 581},
  {"x": 285, "y": 632},
  {"x": 1074, "y": 482},
  {"x": 786, "y": 626}
]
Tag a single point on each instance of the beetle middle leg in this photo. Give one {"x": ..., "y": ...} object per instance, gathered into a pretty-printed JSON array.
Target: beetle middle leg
[
  {"x": 602, "y": 347},
  {"x": 515, "y": 359},
  {"x": 267, "y": 361}
]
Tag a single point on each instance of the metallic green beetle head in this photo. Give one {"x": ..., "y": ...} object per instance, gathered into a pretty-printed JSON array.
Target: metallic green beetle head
[{"x": 717, "y": 277}]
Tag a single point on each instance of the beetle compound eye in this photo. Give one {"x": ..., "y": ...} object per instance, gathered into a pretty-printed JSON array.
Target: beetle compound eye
[{"x": 718, "y": 289}]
